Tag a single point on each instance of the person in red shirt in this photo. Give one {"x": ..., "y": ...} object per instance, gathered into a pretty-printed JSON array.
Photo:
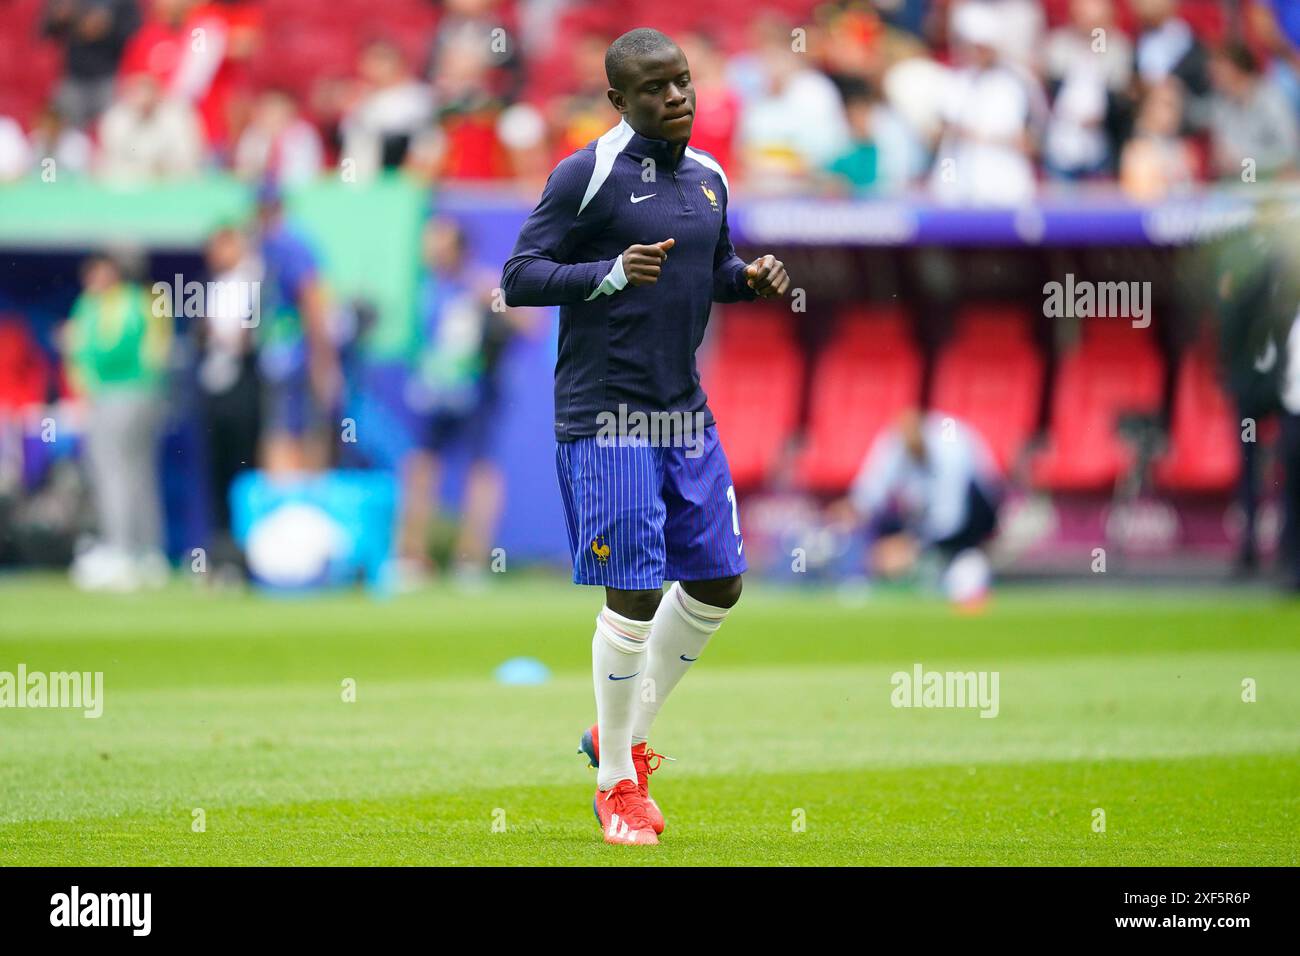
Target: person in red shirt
[{"x": 199, "y": 52}]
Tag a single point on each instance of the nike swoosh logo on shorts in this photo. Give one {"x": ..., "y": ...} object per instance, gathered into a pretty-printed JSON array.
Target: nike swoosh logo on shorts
[
  {"x": 628, "y": 677},
  {"x": 688, "y": 659}
]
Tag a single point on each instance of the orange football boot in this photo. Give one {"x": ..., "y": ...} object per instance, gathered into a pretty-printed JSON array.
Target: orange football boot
[
  {"x": 621, "y": 812},
  {"x": 646, "y": 762}
]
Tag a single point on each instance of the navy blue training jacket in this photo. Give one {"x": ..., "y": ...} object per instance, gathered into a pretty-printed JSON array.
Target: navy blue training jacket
[{"x": 620, "y": 344}]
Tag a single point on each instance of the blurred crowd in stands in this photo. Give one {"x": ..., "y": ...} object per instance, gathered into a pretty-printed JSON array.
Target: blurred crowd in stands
[{"x": 977, "y": 101}]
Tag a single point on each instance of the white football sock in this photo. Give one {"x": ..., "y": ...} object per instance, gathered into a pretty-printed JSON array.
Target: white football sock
[
  {"x": 617, "y": 659},
  {"x": 682, "y": 626}
]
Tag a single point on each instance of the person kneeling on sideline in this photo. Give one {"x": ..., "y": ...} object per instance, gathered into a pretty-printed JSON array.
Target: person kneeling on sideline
[{"x": 928, "y": 485}]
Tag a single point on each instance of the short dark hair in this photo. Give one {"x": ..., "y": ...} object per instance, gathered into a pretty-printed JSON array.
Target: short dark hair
[
  {"x": 639, "y": 42},
  {"x": 1240, "y": 56},
  {"x": 856, "y": 90}
]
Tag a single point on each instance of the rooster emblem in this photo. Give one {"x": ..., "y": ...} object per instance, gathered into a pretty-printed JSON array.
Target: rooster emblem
[
  {"x": 709, "y": 194},
  {"x": 600, "y": 549}
]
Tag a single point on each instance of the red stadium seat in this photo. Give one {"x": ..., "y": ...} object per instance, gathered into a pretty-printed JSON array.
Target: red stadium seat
[
  {"x": 993, "y": 384},
  {"x": 1113, "y": 372},
  {"x": 866, "y": 326},
  {"x": 1204, "y": 442},
  {"x": 864, "y": 379},
  {"x": 991, "y": 324},
  {"x": 753, "y": 375}
]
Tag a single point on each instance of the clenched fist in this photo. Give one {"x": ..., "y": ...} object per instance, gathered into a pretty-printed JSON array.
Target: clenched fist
[
  {"x": 641, "y": 264},
  {"x": 766, "y": 275}
]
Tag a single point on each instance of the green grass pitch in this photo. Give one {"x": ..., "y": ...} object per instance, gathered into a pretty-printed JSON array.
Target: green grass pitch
[{"x": 788, "y": 750}]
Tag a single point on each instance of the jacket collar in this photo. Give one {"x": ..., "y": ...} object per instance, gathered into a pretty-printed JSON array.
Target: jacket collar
[{"x": 660, "y": 150}]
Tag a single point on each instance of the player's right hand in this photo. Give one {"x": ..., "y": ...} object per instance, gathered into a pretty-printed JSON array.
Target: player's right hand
[{"x": 641, "y": 264}]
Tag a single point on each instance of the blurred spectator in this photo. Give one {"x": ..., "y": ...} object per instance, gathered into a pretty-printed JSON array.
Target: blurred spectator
[
  {"x": 928, "y": 484},
  {"x": 227, "y": 378},
  {"x": 297, "y": 359},
  {"x": 1019, "y": 36},
  {"x": 455, "y": 395},
  {"x": 717, "y": 107},
  {"x": 1253, "y": 319},
  {"x": 117, "y": 342},
  {"x": 852, "y": 48},
  {"x": 278, "y": 144},
  {"x": 1283, "y": 67},
  {"x": 747, "y": 69},
  {"x": 15, "y": 151},
  {"x": 93, "y": 34},
  {"x": 467, "y": 111},
  {"x": 1250, "y": 119},
  {"x": 991, "y": 113},
  {"x": 858, "y": 167},
  {"x": 1157, "y": 162},
  {"x": 916, "y": 87},
  {"x": 147, "y": 135},
  {"x": 1087, "y": 71},
  {"x": 521, "y": 129},
  {"x": 798, "y": 124},
  {"x": 183, "y": 44},
  {"x": 70, "y": 148},
  {"x": 584, "y": 113},
  {"x": 235, "y": 26},
  {"x": 394, "y": 110},
  {"x": 884, "y": 154},
  {"x": 1167, "y": 47},
  {"x": 328, "y": 101},
  {"x": 483, "y": 26},
  {"x": 909, "y": 15}
]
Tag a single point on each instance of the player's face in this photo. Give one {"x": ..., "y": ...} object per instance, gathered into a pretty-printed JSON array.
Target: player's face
[{"x": 659, "y": 98}]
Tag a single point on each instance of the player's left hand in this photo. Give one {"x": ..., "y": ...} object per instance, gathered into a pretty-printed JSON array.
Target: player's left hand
[{"x": 766, "y": 275}]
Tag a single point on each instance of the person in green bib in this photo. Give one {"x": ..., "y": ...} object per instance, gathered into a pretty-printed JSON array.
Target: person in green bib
[{"x": 116, "y": 345}]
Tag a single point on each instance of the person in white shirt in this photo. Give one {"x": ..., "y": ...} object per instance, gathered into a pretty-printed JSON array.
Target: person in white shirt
[
  {"x": 1250, "y": 118},
  {"x": 992, "y": 113},
  {"x": 1167, "y": 46},
  {"x": 798, "y": 124},
  {"x": 1021, "y": 25},
  {"x": 147, "y": 135},
  {"x": 53, "y": 138},
  {"x": 229, "y": 388},
  {"x": 278, "y": 145},
  {"x": 928, "y": 484},
  {"x": 1088, "y": 61},
  {"x": 393, "y": 116}
]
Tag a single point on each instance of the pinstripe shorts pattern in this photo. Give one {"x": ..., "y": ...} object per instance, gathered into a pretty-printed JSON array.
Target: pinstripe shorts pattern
[{"x": 639, "y": 514}]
